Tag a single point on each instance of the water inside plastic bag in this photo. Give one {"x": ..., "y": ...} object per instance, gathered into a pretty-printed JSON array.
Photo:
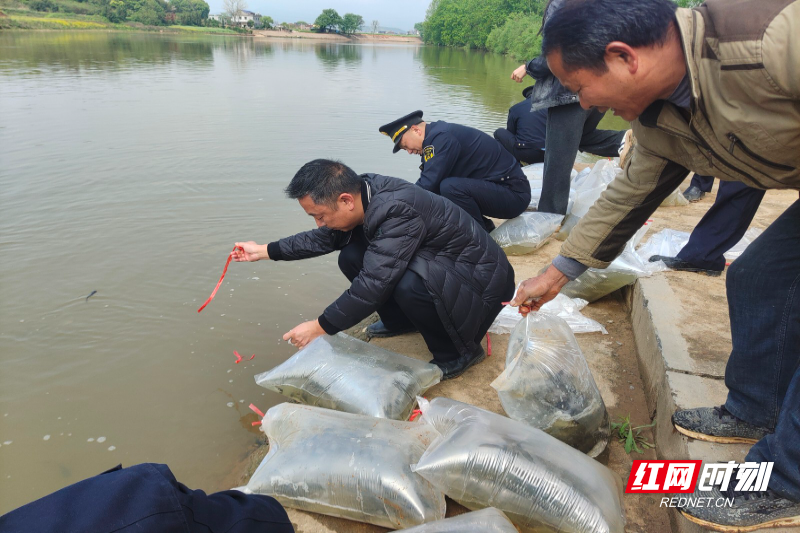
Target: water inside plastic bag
[
  {"x": 346, "y": 374},
  {"x": 346, "y": 465},
  {"x": 489, "y": 520},
  {"x": 526, "y": 233},
  {"x": 483, "y": 459},
  {"x": 548, "y": 385}
]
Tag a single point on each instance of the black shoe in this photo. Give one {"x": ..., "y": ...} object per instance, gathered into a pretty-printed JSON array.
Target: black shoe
[
  {"x": 693, "y": 193},
  {"x": 453, "y": 369},
  {"x": 750, "y": 510},
  {"x": 679, "y": 264},
  {"x": 379, "y": 330},
  {"x": 716, "y": 424}
]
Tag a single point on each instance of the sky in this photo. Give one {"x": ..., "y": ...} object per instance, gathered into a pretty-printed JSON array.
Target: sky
[{"x": 401, "y": 14}]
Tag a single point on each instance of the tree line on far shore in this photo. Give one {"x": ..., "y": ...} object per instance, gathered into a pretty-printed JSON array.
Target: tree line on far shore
[
  {"x": 504, "y": 26},
  {"x": 148, "y": 12}
]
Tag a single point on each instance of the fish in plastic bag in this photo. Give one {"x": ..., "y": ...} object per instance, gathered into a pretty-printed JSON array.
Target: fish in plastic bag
[
  {"x": 526, "y": 233},
  {"x": 346, "y": 374},
  {"x": 547, "y": 384},
  {"x": 563, "y": 306},
  {"x": 489, "y": 520},
  {"x": 345, "y": 465},
  {"x": 588, "y": 188},
  {"x": 739, "y": 248},
  {"x": 483, "y": 459},
  {"x": 675, "y": 199},
  {"x": 624, "y": 270}
]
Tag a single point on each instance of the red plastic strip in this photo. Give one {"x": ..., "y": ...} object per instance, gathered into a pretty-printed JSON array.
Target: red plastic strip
[
  {"x": 505, "y": 303},
  {"x": 414, "y": 414},
  {"x": 238, "y": 357},
  {"x": 251, "y": 357},
  {"x": 224, "y": 270},
  {"x": 257, "y": 423},
  {"x": 488, "y": 345},
  {"x": 256, "y": 410}
]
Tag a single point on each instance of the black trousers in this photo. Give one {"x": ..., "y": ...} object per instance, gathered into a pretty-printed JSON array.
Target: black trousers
[
  {"x": 412, "y": 305},
  {"x": 571, "y": 128},
  {"x": 481, "y": 198},
  {"x": 509, "y": 142},
  {"x": 723, "y": 225}
]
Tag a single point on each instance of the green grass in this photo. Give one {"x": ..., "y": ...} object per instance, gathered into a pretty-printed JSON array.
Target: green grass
[
  {"x": 20, "y": 18},
  {"x": 631, "y": 437}
]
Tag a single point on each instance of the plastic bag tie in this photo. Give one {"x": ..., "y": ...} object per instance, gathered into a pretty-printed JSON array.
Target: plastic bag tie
[
  {"x": 224, "y": 270},
  {"x": 238, "y": 357},
  {"x": 414, "y": 414},
  {"x": 488, "y": 345}
]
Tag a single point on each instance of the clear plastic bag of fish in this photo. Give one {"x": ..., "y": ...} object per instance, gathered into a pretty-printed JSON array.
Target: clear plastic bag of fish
[
  {"x": 345, "y": 465},
  {"x": 675, "y": 199},
  {"x": 563, "y": 306},
  {"x": 489, "y": 520},
  {"x": 346, "y": 374},
  {"x": 739, "y": 248},
  {"x": 483, "y": 459},
  {"x": 526, "y": 233},
  {"x": 624, "y": 270},
  {"x": 548, "y": 385},
  {"x": 588, "y": 188}
]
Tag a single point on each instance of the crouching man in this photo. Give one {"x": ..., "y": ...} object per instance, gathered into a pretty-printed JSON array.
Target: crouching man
[{"x": 416, "y": 258}]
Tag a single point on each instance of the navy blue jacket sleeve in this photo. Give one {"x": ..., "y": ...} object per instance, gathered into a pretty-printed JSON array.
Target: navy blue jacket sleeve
[
  {"x": 400, "y": 233},
  {"x": 446, "y": 150}
]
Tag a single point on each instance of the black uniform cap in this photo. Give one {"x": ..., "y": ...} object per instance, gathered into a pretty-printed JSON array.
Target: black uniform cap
[
  {"x": 526, "y": 92},
  {"x": 397, "y": 128}
]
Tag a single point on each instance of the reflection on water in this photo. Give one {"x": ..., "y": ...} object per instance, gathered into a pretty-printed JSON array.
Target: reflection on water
[{"x": 129, "y": 164}]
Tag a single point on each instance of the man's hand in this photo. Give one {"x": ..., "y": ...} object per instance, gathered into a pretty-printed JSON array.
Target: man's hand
[
  {"x": 533, "y": 293},
  {"x": 304, "y": 333},
  {"x": 252, "y": 251},
  {"x": 518, "y": 74}
]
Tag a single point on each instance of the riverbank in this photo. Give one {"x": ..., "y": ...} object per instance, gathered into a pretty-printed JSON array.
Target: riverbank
[
  {"x": 327, "y": 37},
  {"x": 12, "y": 18}
]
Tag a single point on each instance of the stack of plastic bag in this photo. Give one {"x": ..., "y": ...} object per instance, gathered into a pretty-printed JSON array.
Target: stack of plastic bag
[
  {"x": 676, "y": 199},
  {"x": 666, "y": 242},
  {"x": 562, "y": 306},
  {"x": 526, "y": 233},
  {"x": 488, "y": 520},
  {"x": 588, "y": 188},
  {"x": 484, "y": 459},
  {"x": 349, "y": 375},
  {"x": 624, "y": 270},
  {"x": 351, "y": 466},
  {"x": 547, "y": 384},
  {"x": 739, "y": 248}
]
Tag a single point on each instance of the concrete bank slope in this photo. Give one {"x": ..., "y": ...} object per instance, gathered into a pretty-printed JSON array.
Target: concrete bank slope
[{"x": 682, "y": 334}]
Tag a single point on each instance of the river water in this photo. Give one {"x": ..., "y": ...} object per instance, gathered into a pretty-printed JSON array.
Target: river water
[{"x": 129, "y": 165}]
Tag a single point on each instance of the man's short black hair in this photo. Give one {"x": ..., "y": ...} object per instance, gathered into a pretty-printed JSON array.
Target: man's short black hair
[
  {"x": 581, "y": 29},
  {"x": 324, "y": 180}
]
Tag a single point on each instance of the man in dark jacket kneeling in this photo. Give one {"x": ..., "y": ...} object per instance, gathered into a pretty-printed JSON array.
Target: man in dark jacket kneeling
[{"x": 416, "y": 258}]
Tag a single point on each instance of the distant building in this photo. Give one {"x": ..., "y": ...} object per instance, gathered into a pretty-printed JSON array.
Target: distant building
[
  {"x": 218, "y": 18},
  {"x": 306, "y": 27},
  {"x": 243, "y": 17},
  {"x": 413, "y": 32}
]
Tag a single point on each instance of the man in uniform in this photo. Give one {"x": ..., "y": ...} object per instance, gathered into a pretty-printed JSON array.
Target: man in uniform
[
  {"x": 410, "y": 255},
  {"x": 464, "y": 165},
  {"x": 716, "y": 90}
]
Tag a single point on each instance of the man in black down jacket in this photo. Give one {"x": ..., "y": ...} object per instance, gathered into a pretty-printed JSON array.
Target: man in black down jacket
[{"x": 416, "y": 258}]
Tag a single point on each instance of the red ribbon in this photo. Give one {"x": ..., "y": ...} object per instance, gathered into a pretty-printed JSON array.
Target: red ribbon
[
  {"x": 488, "y": 345},
  {"x": 414, "y": 414},
  {"x": 256, "y": 410},
  {"x": 224, "y": 270},
  {"x": 238, "y": 357}
]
